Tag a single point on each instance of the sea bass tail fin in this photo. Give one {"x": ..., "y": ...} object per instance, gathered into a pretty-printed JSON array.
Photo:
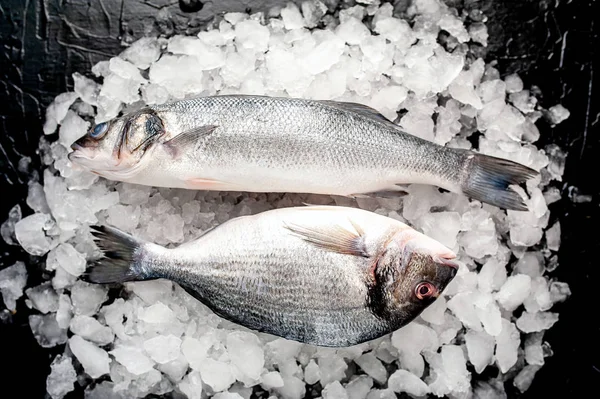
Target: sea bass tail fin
[
  {"x": 488, "y": 179},
  {"x": 121, "y": 260}
]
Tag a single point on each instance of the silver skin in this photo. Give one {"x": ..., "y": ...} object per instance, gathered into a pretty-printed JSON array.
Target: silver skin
[
  {"x": 328, "y": 276},
  {"x": 270, "y": 144}
]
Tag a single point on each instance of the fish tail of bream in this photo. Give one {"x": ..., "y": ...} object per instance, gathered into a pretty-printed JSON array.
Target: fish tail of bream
[
  {"x": 124, "y": 257},
  {"x": 488, "y": 179}
]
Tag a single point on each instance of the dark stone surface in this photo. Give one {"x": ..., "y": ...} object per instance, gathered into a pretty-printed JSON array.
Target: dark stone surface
[{"x": 551, "y": 44}]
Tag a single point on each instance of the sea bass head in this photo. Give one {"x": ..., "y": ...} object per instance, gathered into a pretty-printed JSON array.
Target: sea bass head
[
  {"x": 411, "y": 273},
  {"x": 115, "y": 149}
]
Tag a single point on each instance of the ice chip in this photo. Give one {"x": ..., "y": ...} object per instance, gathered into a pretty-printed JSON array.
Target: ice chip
[
  {"x": 191, "y": 385},
  {"x": 143, "y": 52},
  {"x": 271, "y": 380},
  {"x": 539, "y": 321},
  {"x": 216, "y": 374},
  {"x": 434, "y": 313},
  {"x": 95, "y": 361},
  {"x": 514, "y": 291},
  {"x": 292, "y": 19},
  {"x": 62, "y": 377},
  {"x": 30, "y": 233},
  {"x": 133, "y": 358},
  {"x": 373, "y": 367},
  {"x": 163, "y": 348},
  {"x": 57, "y": 110},
  {"x": 7, "y": 230},
  {"x": 553, "y": 237},
  {"x": 507, "y": 345},
  {"x": 43, "y": 298},
  {"x": 332, "y": 368},
  {"x": 559, "y": 292},
  {"x": 90, "y": 329},
  {"x": 66, "y": 257},
  {"x": 46, "y": 330},
  {"x": 12, "y": 281},
  {"x": 246, "y": 354},
  {"x": 334, "y": 390},
  {"x": 72, "y": 128},
  {"x": 525, "y": 377},
  {"x": 359, "y": 387},
  {"x": 404, "y": 381},
  {"x": 480, "y": 348},
  {"x": 87, "y": 298}
]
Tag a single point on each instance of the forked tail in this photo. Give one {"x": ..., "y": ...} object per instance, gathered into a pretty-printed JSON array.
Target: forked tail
[
  {"x": 488, "y": 179},
  {"x": 122, "y": 257}
]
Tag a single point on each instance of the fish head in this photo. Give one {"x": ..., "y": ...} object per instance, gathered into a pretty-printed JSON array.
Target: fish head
[
  {"x": 115, "y": 149},
  {"x": 417, "y": 269}
]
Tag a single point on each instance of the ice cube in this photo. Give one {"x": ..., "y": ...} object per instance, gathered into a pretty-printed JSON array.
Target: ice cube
[
  {"x": 282, "y": 349},
  {"x": 72, "y": 128},
  {"x": 251, "y": 35},
  {"x": 462, "y": 306},
  {"x": 271, "y": 380},
  {"x": 62, "y": 377},
  {"x": 404, "y": 381},
  {"x": 507, "y": 345},
  {"x": 480, "y": 348},
  {"x": 12, "y": 281},
  {"x": 488, "y": 313},
  {"x": 43, "y": 298},
  {"x": 47, "y": 331},
  {"x": 151, "y": 291},
  {"x": 534, "y": 352},
  {"x": 492, "y": 276},
  {"x": 312, "y": 373},
  {"x": 90, "y": 329},
  {"x": 87, "y": 298},
  {"x": 292, "y": 19},
  {"x": 207, "y": 57},
  {"x": 373, "y": 367},
  {"x": 95, "y": 361},
  {"x": 557, "y": 114},
  {"x": 479, "y": 33},
  {"x": 216, "y": 374},
  {"x": 86, "y": 88},
  {"x": 195, "y": 351},
  {"x": 133, "y": 358},
  {"x": 246, "y": 354},
  {"x": 191, "y": 385},
  {"x": 514, "y": 291},
  {"x": 410, "y": 341},
  {"x": 57, "y": 110},
  {"x": 228, "y": 395},
  {"x": 312, "y": 11},
  {"x": 442, "y": 226},
  {"x": 176, "y": 369},
  {"x": 163, "y": 348},
  {"x": 553, "y": 237},
  {"x": 539, "y": 298},
  {"x": 66, "y": 257},
  {"x": 7, "y": 230},
  {"x": 64, "y": 314},
  {"x": 332, "y": 368},
  {"x": 559, "y": 292},
  {"x": 525, "y": 377},
  {"x": 531, "y": 264},
  {"x": 513, "y": 83},
  {"x": 434, "y": 313},
  {"x": 334, "y": 390},
  {"x": 353, "y": 31},
  {"x": 359, "y": 387},
  {"x": 449, "y": 371},
  {"x": 293, "y": 388},
  {"x": 30, "y": 233},
  {"x": 143, "y": 52},
  {"x": 539, "y": 321}
]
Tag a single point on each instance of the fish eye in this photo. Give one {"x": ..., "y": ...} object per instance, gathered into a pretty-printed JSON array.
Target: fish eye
[
  {"x": 99, "y": 130},
  {"x": 425, "y": 290}
]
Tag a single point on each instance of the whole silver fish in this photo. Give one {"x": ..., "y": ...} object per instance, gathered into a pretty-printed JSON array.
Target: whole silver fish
[
  {"x": 270, "y": 144},
  {"x": 323, "y": 275}
]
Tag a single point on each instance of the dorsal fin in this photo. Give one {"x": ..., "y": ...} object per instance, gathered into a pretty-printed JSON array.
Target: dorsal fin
[{"x": 360, "y": 109}]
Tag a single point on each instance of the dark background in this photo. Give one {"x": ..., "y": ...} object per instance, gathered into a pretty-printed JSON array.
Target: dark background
[{"x": 551, "y": 44}]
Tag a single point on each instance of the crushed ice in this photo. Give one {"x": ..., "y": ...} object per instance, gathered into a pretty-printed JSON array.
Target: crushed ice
[{"x": 157, "y": 339}]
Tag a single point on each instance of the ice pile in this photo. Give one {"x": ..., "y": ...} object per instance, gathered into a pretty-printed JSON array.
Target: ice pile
[{"x": 157, "y": 339}]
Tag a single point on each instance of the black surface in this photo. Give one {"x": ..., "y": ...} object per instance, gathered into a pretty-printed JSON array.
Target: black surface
[{"x": 551, "y": 44}]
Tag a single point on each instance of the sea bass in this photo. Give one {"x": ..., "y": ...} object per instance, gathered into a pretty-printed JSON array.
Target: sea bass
[
  {"x": 323, "y": 275},
  {"x": 269, "y": 144}
]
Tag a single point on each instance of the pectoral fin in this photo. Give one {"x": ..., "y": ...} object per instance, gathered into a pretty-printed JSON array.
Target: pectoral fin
[{"x": 188, "y": 140}]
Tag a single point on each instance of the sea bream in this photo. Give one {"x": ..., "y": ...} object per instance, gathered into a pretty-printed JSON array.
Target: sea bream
[
  {"x": 323, "y": 275},
  {"x": 270, "y": 144}
]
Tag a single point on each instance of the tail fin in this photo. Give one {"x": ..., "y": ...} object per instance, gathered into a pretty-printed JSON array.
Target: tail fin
[
  {"x": 488, "y": 178},
  {"x": 121, "y": 260}
]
